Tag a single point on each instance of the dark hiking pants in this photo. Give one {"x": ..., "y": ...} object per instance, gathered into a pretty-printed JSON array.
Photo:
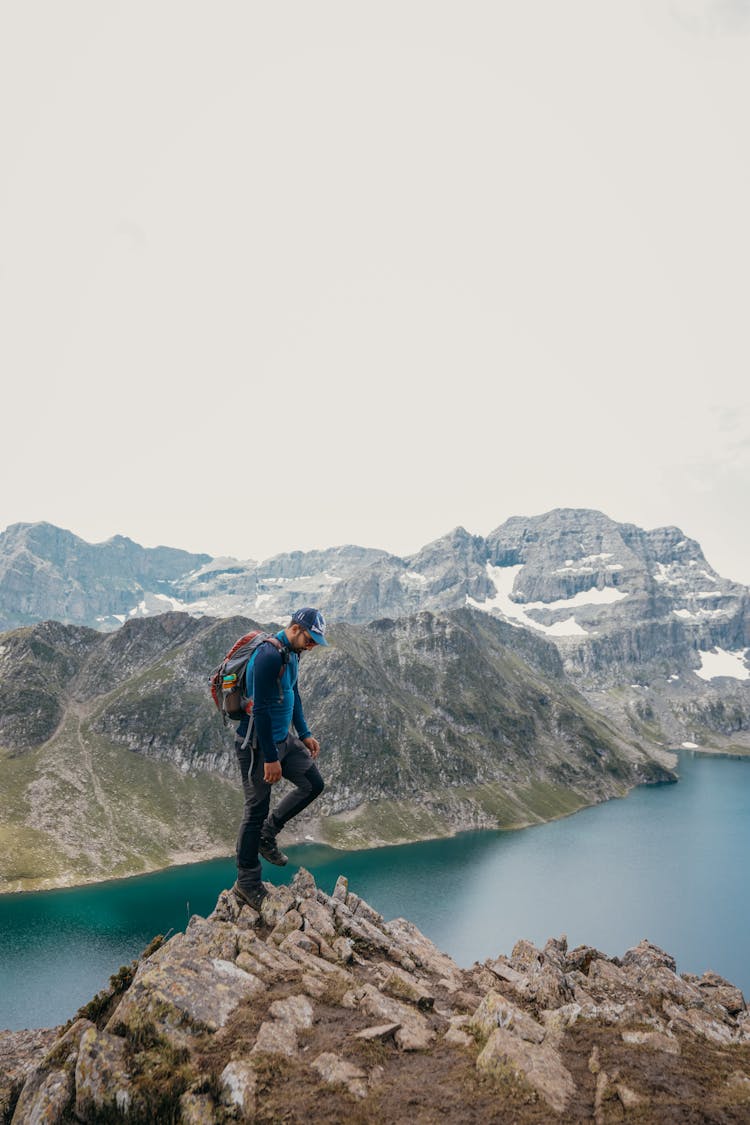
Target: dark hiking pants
[{"x": 297, "y": 767}]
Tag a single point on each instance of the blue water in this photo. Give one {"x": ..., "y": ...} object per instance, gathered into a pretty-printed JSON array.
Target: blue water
[{"x": 667, "y": 863}]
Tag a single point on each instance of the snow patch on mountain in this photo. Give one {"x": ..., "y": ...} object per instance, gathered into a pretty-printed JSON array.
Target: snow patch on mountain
[
  {"x": 504, "y": 578},
  {"x": 723, "y": 663},
  {"x": 589, "y": 564}
]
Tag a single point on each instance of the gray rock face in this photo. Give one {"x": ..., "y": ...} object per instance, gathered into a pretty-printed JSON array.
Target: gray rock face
[
  {"x": 46, "y": 572},
  {"x": 306, "y": 1036}
]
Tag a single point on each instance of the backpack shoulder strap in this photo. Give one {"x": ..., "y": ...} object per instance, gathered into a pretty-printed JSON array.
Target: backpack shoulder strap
[{"x": 283, "y": 649}]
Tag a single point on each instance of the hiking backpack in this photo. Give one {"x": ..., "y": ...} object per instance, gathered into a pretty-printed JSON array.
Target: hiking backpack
[{"x": 227, "y": 682}]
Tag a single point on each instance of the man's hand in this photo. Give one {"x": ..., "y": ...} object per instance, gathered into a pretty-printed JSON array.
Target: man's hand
[
  {"x": 272, "y": 772},
  {"x": 312, "y": 745}
]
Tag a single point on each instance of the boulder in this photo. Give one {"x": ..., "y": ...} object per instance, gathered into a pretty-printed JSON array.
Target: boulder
[
  {"x": 538, "y": 1063},
  {"x": 296, "y": 1010},
  {"x": 103, "y": 1083},
  {"x": 497, "y": 1011},
  {"x": 645, "y": 956},
  {"x": 276, "y": 1037},
  {"x": 275, "y": 905},
  {"x": 185, "y": 992},
  {"x": 415, "y": 1033},
  {"x": 337, "y": 1071},
  {"x": 45, "y": 1097},
  {"x": 238, "y": 1082}
]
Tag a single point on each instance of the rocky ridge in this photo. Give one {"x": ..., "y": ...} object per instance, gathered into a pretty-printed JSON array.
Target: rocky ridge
[{"x": 316, "y": 1008}]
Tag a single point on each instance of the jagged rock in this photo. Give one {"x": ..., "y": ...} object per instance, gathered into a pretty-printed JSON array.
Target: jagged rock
[
  {"x": 287, "y": 924},
  {"x": 228, "y": 908},
  {"x": 296, "y": 1010},
  {"x": 368, "y": 934},
  {"x": 298, "y": 940},
  {"x": 709, "y": 1028},
  {"x": 303, "y": 884},
  {"x": 45, "y": 1097},
  {"x": 655, "y": 1040},
  {"x": 205, "y": 938},
  {"x": 316, "y": 917},
  {"x": 539, "y": 1064},
  {"x": 382, "y": 1031},
  {"x": 275, "y": 961},
  {"x": 362, "y": 909},
  {"x": 525, "y": 956},
  {"x": 419, "y": 950},
  {"x": 505, "y": 971},
  {"x": 239, "y": 1082},
  {"x": 485, "y": 980},
  {"x": 661, "y": 982},
  {"x": 497, "y": 1011},
  {"x": 414, "y": 1034},
  {"x": 344, "y": 950},
  {"x": 548, "y": 987},
  {"x": 49, "y": 1088},
  {"x": 315, "y": 986},
  {"x": 184, "y": 991},
  {"x": 324, "y": 950},
  {"x": 646, "y": 955},
  {"x": 275, "y": 905},
  {"x": 581, "y": 958},
  {"x": 720, "y": 991},
  {"x": 337, "y": 1071},
  {"x": 341, "y": 889},
  {"x": 21, "y": 1053},
  {"x": 312, "y": 963},
  {"x": 102, "y": 1082},
  {"x": 276, "y": 1037},
  {"x": 464, "y": 1000},
  {"x": 606, "y": 977}
]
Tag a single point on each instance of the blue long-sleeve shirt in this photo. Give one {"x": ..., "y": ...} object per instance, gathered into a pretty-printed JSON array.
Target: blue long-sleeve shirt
[{"x": 276, "y": 702}]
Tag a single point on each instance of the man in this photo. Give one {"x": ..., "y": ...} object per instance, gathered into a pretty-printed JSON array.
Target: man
[{"x": 272, "y": 751}]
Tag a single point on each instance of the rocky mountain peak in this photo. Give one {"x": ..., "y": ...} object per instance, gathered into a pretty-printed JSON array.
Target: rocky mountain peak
[{"x": 315, "y": 1007}]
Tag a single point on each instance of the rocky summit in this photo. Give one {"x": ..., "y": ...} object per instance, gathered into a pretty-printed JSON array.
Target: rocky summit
[{"x": 316, "y": 1009}]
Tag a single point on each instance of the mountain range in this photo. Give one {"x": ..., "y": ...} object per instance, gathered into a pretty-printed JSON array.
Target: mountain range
[
  {"x": 629, "y": 610},
  {"x": 480, "y": 682}
]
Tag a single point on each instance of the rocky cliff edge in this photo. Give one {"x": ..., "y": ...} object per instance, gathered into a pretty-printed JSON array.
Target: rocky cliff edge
[{"x": 318, "y": 1010}]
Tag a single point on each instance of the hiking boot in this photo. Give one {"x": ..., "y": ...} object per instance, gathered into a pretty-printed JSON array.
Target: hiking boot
[
  {"x": 269, "y": 849},
  {"x": 252, "y": 896}
]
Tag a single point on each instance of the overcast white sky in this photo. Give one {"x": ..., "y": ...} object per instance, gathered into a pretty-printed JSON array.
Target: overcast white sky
[{"x": 385, "y": 267}]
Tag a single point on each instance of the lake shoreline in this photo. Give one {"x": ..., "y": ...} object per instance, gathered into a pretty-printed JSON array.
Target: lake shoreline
[{"x": 304, "y": 837}]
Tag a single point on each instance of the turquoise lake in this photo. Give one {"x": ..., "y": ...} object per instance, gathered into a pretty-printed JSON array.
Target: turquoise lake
[{"x": 668, "y": 863}]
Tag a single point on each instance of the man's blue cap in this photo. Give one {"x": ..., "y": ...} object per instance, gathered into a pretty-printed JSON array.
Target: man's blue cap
[{"x": 313, "y": 621}]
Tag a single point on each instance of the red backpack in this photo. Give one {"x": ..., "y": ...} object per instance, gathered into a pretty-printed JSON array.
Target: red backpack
[{"x": 228, "y": 681}]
